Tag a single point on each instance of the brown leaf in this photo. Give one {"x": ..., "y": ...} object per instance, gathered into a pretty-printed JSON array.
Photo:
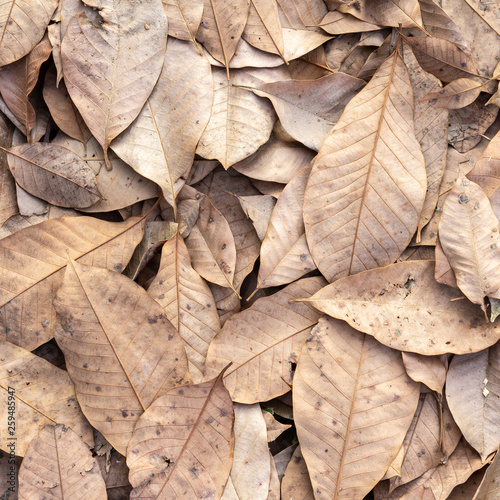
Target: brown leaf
[
  {"x": 457, "y": 94},
  {"x": 58, "y": 464},
  {"x": 184, "y": 17},
  {"x": 54, "y": 174},
  {"x": 486, "y": 171},
  {"x": 183, "y": 444},
  {"x": 353, "y": 404},
  {"x": 469, "y": 235},
  {"x": 161, "y": 142},
  {"x": 42, "y": 394},
  {"x": 337, "y": 23},
  {"x": 133, "y": 355},
  {"x": 221, "y": 27},
  {"x": 263, "y": 342},
  {"x": 472, "y": 391},
  {"x": 367, "y": 187},
  {"x": 284, "y": 254},
  {"x": 408, "y": 310},
  {"x": 274, "y": 427},
  {"x": 8, "y": 205},
  {"x": 301, "y": 14},
  {"x": 124, "y": 52},
  {"x": 17, "y": 81},
  {"x": 22, "y": 26},
  {"x": 32, "y": 260},
  {"x": 296, "y": 483},
  {"x": 429, "y": 370},
  {"x": 489, "y": 489},
  {"x": 188, "y": 303},
  {"x": 258, "y": 209},
  {"x": 309, "y": 109}
]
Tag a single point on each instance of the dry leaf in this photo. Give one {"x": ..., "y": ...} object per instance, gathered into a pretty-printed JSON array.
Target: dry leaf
[
  {"x": 337, "y": 23},
  {"x": 132, "y": 356},
  {"x": 124, "y": 52},
  {"x": 296, "y": 483},
  {"x": 184, "y": 17},
  {"x": 274, "y": 427},
  {"x": 58, "y": 464},
  {"x": 489, "y": 489},
  {"x": 457, "y": 94},
  {"x": 8, "y": 204},
  {"x": 472, "y": 391},
  {"x": 263, "y": 343},
  {"x": 408, "y": 310},
  {"x": 429, "y": 370},
  {"x": 258, "y": 209},
  {"x": 188, "y": 303},
  {"x": 367, "y": 187},
  {"x": 347, "y": 383},
  {"x": 194, "y": 425},
  {"x": 486, "y": 171}
]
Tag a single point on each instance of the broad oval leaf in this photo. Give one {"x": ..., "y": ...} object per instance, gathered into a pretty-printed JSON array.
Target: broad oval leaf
[
  {"x": 263, "y": 342},
  {"x": 404, "y": 307},
  {"x": 31, "y": 261},
  {"x": 120, "y": 349},
  {"x": 58, "y": 464},
  {"x": 182, "y": 446},
  {"x": 188, "y": 303},
  {"x": 54, "y": 174},
  {"x": 352, "y": 403},
  {"x": 111, "y": 68},
  {"x": 43, "y": 393},
  {"x": 473, "y": 394},
  {"x": 367, "y": 185},
  {"x": 22, "y": 25}
]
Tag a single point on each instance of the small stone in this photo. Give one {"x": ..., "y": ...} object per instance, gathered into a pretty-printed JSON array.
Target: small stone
[
  {"x": 477, "y": 206},
  {"x": 485, "y": 392},
  {"x": 463, "y": 198},
  {"x": 465, "y": 182}
]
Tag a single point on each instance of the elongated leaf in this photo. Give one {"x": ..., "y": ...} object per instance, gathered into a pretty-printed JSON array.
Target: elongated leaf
[
  {"x": 457, "y": 94},
  {"x": 184, "y": 17},
  {"x": 132, "y": 356},
  {"x": 58, "y": 464},
  {"x": 367, "y": 185},
  {"x": 486, "y": 171},
  {"x": 161, "y": 142},
  {"x": 54, "y": 174},
  {"x": 469, "y": 234},
  {"x": 221, "y": 27},
  {"x": 188, "y": 303},
  {"x": 301, "y": 14},
  {"x": 352, "y": 404},
  {"x": 309, "y": 109},
  {"x": 8, "y": 202},
  {"x": 404, "y": 307},
  {"x": 42, "y": 395},
  {"x": 263, "y": 342},
  {"x": 22, "y": 26},
  {"x": 430, "y": 370},
  {"x": 284, "y": 255},
  {"x": 183, "y": 444},
  {"x": 337, "y": 23},
  {"x": 31, "y": 262},
  {"x": 489, "y": 488},
  {"x": 17, "y": 81},
  {"x": 124, "y": 53},
  {"x": 472, "y": 391}
]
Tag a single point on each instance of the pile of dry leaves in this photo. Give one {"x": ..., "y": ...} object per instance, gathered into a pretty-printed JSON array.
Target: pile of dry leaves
[{"x": 249, "y": 249}]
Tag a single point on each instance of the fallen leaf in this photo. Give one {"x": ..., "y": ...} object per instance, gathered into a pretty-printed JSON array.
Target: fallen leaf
[
  {"x": 274, "y": 427},
  {"x": 457, "y": 94},
  {"x": 408, "y": 310},
  {"x": 486, "y": 170},
  {"x": 258, "y": 209},
  {"x": 429, "y": 370},
  {"x": 296, "y": 483},
  {"x": 200, "y": 419},
  {"x": 60, "y": 465},
  {"x": 8, "y": 204},
  {"x": 489, "y": 487},
  {"x": 184, "y": 17},
  {"x": 301, "y": 14},
  {"x": 337, "y": 23},
  {"x": 360, "y": 442}
]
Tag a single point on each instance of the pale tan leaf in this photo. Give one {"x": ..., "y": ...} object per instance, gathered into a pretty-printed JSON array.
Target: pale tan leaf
[
  {"x": 188, "y": 303},
  {"x": 457, "y": 94},
  {"x": 489, "y": 489},
  {"x": 404, "y": 307},
  {"x": 470, "y": 237},
  {"x": 309, "y": 109},
  {"x": 429, "y": 370},
  {"x": 284, "y": 254},
  {"x": 495, "y": 308},
  {"x": 296, "y": 483},
  {"x": 299, "y": 42},
  {"x": 394, "y": 470},
  {"x": 273, "y": 426},
  {"x": 469, "y": 488},
  {"x": 472, "y": 391},
  {"x": 258, "y": 209},
  {"x": 240, "y": 121},
  {"x": 54, "y": 174},
  {"x": 8, "y": 204},
  {"x": 251, "y": 471},
  {"x": 337, "y": 23},
  {"x": 282, "y": 459},
  {"x": 422, "y": 445},
  {"x": 301, "y": 14},
  {"x": 211, "y": 246},
  {"x": 311, "y": 66},
  {"x": 184, "y": 17},
  {"x": 58, "y": 464},
  {"x": 132, "y": 356},
  {"x": 161, "y": 142},
  {"x": 353, "y": 404},
  {"x": 367, "y": 184},
  {"x": 276, "y": 161},
  {"x": 62, "y": 109},
  {"x": 42, "y": 394},
  {"x": 124, "y": 52},
  {"x": 274, "y": 481},
  {"x": 32, "y": 260},
  {"x": 221, "y": 27},
  {"x": 263, "y": 342},
  {"x": 417, "y": 253},
  {"x": 486, "y": 171},
  {"x": 182, "y": 447},
  {"x": 272, "y": 188},
  {"x": 22, "y": 26},
  {"x": 54, "y": 34},
  {"x": 17, "y": 81}
]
